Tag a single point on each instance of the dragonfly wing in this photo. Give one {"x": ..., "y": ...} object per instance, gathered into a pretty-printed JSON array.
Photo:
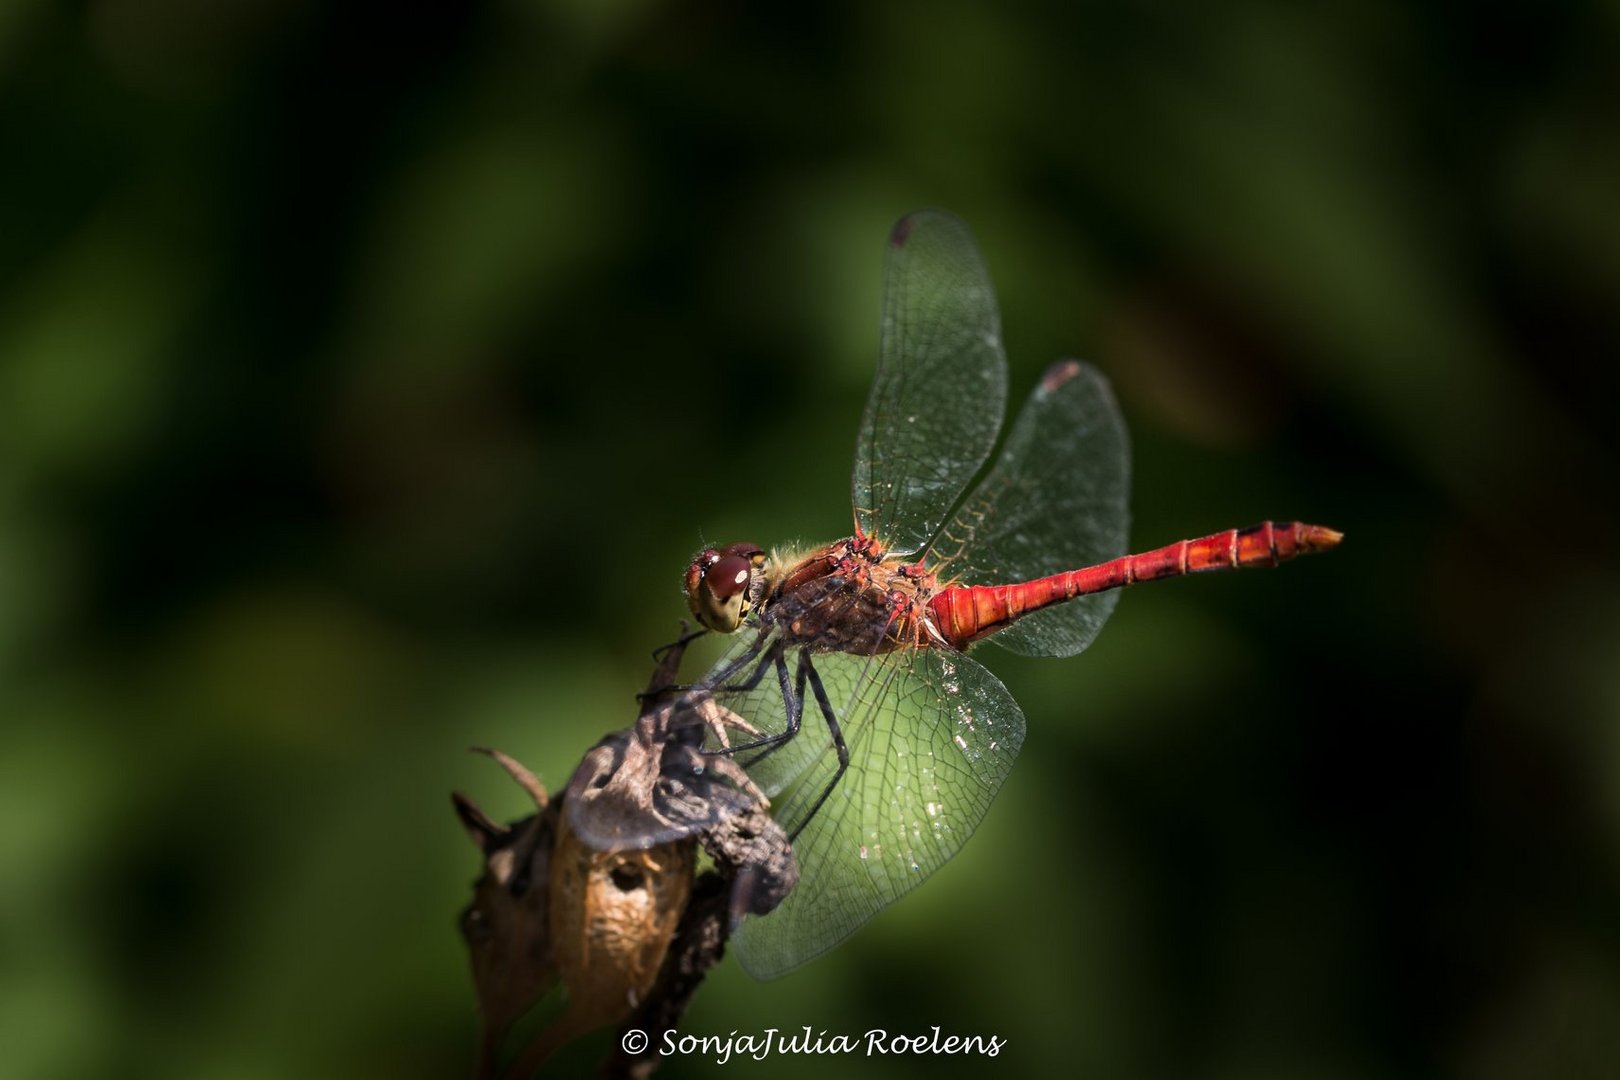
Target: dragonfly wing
[
  {"x": 1056, "y": 499},
  {"x": 931, "y": 737},
  {"x": 940, "y": 391}
]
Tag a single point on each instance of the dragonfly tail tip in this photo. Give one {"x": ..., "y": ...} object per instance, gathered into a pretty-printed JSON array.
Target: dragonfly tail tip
[{"x": 1319, "y": 538}]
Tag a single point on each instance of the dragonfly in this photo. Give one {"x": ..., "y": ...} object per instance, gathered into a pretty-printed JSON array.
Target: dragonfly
[{"x": 911, "y": 737}]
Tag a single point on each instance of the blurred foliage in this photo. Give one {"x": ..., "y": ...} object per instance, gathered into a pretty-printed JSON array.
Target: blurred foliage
[{"x": 368, "y": 373}]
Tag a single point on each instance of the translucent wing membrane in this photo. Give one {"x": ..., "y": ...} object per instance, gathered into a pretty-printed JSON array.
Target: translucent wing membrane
[
  {"x": 931, "y": 736},
  {"x": 1055, "y": 500},
  {"x": 941, "y": 384}
]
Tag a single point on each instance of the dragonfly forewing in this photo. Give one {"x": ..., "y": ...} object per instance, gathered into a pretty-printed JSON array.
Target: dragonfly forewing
[{"x": 940, "y": 390}]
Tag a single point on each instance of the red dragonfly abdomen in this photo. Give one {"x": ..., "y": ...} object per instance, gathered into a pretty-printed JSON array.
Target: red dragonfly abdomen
[{"x": 965, "y": 613}]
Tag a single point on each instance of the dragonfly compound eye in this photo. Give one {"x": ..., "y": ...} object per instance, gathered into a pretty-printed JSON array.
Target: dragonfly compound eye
[{"x": 728, "y": 576}]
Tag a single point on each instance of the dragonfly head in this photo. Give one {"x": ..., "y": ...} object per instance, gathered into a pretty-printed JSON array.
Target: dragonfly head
[{"x": 724, "y": 584}]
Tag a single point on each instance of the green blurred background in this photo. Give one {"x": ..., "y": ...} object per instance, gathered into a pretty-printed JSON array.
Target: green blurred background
[{"x": 367, "y": 377}]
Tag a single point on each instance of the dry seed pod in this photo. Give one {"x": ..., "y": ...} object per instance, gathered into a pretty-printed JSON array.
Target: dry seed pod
[
  {"x": 596, "y": 891},
  {"x": 612, "y": 915}
]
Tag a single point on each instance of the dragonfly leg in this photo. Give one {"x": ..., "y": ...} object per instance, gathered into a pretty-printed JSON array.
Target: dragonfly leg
[
  {"x": 773, "y": 657},
  {"x": 791, "y": 698},
  {"x": 707, "y": 687},
  {"x": 808, "y": 672},
  {"x": 686, "y": 638},
  {"x": 669, "y": 662}
]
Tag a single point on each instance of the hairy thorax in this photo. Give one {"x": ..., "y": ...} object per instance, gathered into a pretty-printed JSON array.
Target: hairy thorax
[{"x": 846, "y": 597}]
